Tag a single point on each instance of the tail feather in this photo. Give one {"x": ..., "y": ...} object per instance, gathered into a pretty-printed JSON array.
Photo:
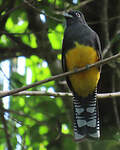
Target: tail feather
[{"x": 86, "y": 118}]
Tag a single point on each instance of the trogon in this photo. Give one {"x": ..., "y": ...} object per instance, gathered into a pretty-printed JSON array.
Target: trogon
[{"x": 81, "y": 47}]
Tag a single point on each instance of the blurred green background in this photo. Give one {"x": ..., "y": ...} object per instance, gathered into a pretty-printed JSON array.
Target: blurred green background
[{"x": 31, "y": 33}]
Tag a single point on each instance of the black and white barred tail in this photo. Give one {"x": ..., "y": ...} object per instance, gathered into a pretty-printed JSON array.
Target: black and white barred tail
[{"x": 86, "y": 117}]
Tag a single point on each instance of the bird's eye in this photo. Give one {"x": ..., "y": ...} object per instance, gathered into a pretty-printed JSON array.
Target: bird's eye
[{"x": 77, "y": 14}]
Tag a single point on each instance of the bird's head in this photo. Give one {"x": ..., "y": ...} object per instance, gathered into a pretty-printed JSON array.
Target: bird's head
[{"x": 74, "y": 16}]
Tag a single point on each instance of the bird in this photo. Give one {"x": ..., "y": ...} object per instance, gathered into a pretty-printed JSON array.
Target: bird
[{"x": 80, "y": 47}]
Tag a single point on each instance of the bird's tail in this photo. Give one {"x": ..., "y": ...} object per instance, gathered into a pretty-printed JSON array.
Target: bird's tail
[{"x": 86, "y": 117}]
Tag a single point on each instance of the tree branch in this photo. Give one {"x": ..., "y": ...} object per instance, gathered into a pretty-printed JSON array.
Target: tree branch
[
  {"x": 13, "y": 9},
  {"x": 104, "y": 15},
  {"x": 61, "y": 94},
  {"x": 115, "y": 106},
  {"x": 104, "y": 20},
  {"x": 40, "y": 11},
  {"x": 20, "y": 113},
  {"x": 102, "y": 62},
  {"x": 79, "y": 5},
  {"x": 106, "y": 49}
]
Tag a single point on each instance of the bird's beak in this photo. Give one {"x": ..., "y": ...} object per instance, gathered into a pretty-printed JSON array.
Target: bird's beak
[{"x": 67, "y": 15}]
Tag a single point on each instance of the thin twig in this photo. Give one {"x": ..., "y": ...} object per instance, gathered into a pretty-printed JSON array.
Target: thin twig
[
  {"x": 108, "y": 95},
  {"x": 39, "y": 93},
  {"x": 41, "y": 12},
  {"x": 90, "y": 23},
  {"x": 105, "y": 26},
  {"x": 81, "y": 4},
  {"x": 102, "y": 62},
  {"x": 60, "y": 94},
  {"x": 106, "y": 49},
  {"x": 104, "y": 20},
  {"x": 20, "y": 113},
  {"x": 115, "y": 107},
  {"x": 13, "y": 9},
  {"x": 118, "y": 21}
]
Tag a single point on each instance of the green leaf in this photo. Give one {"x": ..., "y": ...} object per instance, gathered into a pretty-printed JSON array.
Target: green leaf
[
  {"x": 30, "y": 148},
  {"x": 17, "y": 79},
  {"x": 42, "y": 147},
  {"x": 21, "y": 101},
  {"x": 56, "y": 2},
  {"x": 17, "y": 22},
  {"x": 1, "y": 2},
  {"x": 51, "y": 1},
  {"x": 65, "y": 129},
  {"x": 22, "y": 130},
  {"x": 39, "y": 68},
  {"x": 26, "y": 109},
  {"x": 3, "y": 13},
  {"x": 56, "y": 37},
  {"x": 30, "y": 40},
  {"x": 14, "y": 141},
  {"x": 5, "y": 41},
  {"x": 59, "y": 3},
  {"x": 39, "y": 116},
  {"x": 2, "y": 147},
  {"x": 59, "y": 56},
  {"x": 59, "y": 102},
  {"x": 27, "y": 140},
  {"x": 29, "y": 122},
  {"x": 35, "y": 59},
  {"x": 43, "y": 130}
]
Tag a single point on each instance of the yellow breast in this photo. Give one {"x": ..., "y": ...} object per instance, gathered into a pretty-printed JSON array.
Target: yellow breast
[{"x": 85, "y": 82}]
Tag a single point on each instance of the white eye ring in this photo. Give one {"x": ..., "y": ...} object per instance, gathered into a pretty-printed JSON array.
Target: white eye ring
[{"x": 77, "y": 14}]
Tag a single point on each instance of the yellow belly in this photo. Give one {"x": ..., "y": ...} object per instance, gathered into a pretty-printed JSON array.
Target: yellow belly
[{"x": 85, "y": 82}]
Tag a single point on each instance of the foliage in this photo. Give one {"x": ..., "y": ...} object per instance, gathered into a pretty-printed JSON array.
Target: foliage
[{"x": 39, "y": 122}]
